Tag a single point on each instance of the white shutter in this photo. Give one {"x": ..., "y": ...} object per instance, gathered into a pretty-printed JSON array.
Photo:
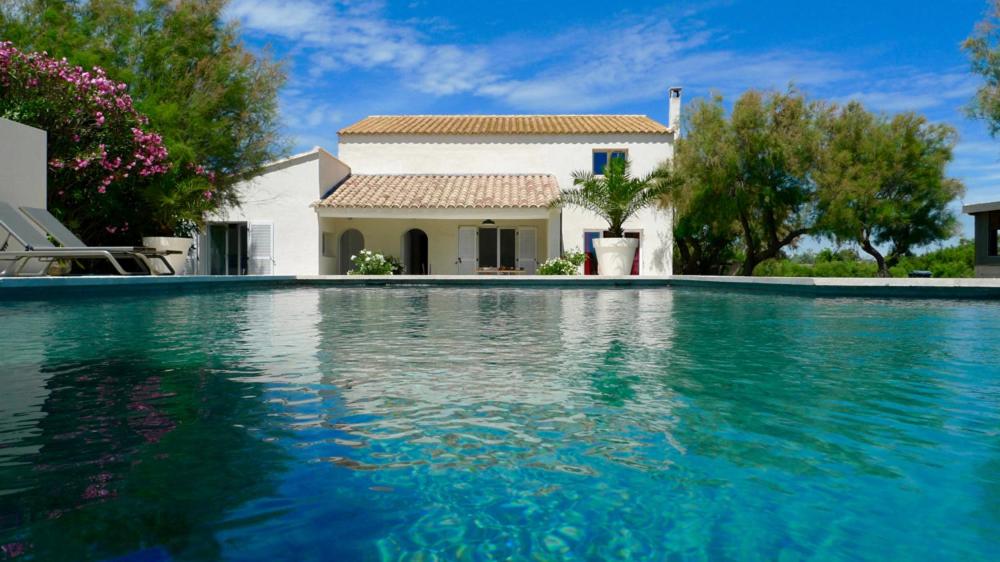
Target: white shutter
[
  {"x": 261, "y": 248},
  {"x": 467, "y": 249},
  {"x": 202, "y": 254},
  {"x": 527, "y": 249}
]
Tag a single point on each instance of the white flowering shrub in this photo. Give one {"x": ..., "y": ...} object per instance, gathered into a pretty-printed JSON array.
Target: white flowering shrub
[
  {"x": 367, "y": 262},
  {"x": 568, "y": 264}
]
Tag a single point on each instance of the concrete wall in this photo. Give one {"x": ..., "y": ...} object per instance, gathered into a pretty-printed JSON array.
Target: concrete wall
[
  {"x": 282, "y": 195},
  {"x": 559, "y": 155},
  {"x": 386, "y": 236},
  {"x": 23, "y": 157}
]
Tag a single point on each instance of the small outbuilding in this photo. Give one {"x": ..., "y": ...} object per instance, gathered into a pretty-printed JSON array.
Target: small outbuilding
[{"x": 987, "y": 217}]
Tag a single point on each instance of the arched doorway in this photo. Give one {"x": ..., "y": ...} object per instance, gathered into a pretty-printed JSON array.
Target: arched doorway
[
  {"x": 351, "y": 242},
  {"x": 415, "y": 252}
]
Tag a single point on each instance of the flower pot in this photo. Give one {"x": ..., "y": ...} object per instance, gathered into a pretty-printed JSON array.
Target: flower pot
[
  {"x": 615, "y": 255},
  {"x": 167, "y": 243},
  {"x": 60, "y": 267}
]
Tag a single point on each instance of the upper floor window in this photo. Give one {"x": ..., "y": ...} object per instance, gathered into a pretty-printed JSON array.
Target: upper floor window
[{"x": 603, "y": 156}]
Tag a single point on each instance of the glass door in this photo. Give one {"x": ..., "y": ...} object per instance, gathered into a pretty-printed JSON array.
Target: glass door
[
  {"x": 227, "y": 244},
  {"x": 498, "y": 248}
]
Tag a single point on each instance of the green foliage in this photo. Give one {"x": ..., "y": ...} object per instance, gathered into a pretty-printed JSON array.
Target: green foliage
[
  {"x": 882, "y": 182},
  {"x": 101, "y": 162},
  {"x": 983, "y": 48},
  {"x": 954, "y": 261},
  {"x": 747, "y": 185},
  {"x": 615, "y": 196},
  {"x": 367, "y": 262},
  {"x": 568, "y": 264},
  {"x": 835, "y": 267},
  {"x": 213, "y": 102},
  {"x": 743, "y": 182}
]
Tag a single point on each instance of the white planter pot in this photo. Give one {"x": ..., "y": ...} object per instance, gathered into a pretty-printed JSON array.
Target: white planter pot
[
  {"x": 165, "y": 243},
  {"x": 615, "y": 255}
]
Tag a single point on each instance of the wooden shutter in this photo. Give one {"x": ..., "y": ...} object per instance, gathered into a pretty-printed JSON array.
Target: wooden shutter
[{"x": 261, "y": 248}]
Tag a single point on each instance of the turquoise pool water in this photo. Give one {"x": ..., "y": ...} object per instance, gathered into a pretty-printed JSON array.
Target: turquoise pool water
[{"x": 474, "y": 424}]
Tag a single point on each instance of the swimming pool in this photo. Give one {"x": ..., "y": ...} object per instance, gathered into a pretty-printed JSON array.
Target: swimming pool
[{"x": 478, "y": 423}]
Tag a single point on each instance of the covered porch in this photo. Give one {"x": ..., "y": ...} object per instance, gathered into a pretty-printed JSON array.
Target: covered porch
[{"x": 442, "y": 224}]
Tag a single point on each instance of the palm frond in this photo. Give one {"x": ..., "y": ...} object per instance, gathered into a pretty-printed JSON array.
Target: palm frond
[{"x": 615, "y": 196}]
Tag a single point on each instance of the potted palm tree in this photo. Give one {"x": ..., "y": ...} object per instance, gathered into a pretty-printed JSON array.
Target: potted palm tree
[{"x": 616, "y": 197}]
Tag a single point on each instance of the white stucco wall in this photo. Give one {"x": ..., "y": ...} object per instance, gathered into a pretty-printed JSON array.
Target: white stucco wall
[
  {"x": 385, "y": 235},
  {"x": 23, "y": 155},
  {"x": 559, "y": 155},
  {"x": 282, "y": 195}
]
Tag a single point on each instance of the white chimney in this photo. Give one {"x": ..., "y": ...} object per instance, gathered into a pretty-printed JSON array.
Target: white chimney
[{"x": 674, "y": 117}]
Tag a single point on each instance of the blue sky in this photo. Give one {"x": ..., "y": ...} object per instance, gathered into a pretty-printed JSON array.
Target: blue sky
[{"x": 348, "y": 59}]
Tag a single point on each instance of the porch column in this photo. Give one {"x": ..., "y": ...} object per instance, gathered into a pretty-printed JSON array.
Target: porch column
[{"x": 553, "y": 240}]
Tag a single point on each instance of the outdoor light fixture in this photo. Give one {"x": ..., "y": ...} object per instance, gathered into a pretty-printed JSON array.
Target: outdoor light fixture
[{"x": 488, "y": 221}]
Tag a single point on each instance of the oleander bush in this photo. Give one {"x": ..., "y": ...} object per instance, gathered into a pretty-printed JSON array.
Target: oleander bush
[{"x": 101, "y": 154}]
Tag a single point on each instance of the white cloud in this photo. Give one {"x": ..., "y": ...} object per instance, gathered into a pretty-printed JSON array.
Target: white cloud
[{"x": 580, "y": 68}]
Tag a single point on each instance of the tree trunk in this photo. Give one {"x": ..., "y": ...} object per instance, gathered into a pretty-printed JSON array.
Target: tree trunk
[
  {"x": 751, "y": 260},
  {"x": 883, "y": 269}
]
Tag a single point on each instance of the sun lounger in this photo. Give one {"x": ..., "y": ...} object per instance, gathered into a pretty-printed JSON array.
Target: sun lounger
[
  {"x": 26, "y": 251},
  {"x": 65, "y": 237}
]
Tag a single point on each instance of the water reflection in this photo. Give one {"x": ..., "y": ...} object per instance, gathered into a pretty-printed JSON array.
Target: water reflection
[
  {"x": 467, "y": 424},
  {"x": 131, "y": 449}
]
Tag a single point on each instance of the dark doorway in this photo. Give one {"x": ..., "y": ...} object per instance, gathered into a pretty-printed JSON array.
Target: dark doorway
[{"x": 415, "y": 252}]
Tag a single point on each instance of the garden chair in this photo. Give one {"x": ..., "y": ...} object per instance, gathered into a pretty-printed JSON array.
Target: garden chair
[
  {"x": 32, "y": 253},
  {"x": 65, "y": 237}
]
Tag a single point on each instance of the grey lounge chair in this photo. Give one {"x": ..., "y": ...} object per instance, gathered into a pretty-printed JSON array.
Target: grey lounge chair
[
  {"x": 36, "y": 252},
  {"x": 65, "y": 237}
]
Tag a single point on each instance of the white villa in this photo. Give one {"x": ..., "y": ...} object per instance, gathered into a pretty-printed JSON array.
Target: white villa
[{"x": 447, "y": 194}]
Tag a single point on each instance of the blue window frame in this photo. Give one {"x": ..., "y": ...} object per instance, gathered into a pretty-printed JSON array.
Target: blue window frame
[
  {"x": 600, "y": 161},
  {"x": 602, "y": 157}
]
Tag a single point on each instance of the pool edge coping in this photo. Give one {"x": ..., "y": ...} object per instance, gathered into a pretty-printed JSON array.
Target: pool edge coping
[{"x": 959, "y": 288}]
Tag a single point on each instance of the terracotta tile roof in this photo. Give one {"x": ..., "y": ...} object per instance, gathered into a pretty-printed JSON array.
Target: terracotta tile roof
[
  {"x": 504, "y": 125},
  {"x": 420, "y": 191}
]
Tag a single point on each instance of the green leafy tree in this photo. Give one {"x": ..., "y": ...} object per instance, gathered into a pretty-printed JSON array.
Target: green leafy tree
[
  {"x": 983, "y": 48},
  {"x": 882, "y": 183},
  {"x": 705, "y": 229},
  {"x": 213, "y": 102},
  {"x": 615, "y": 196},
  {"x": 747, "y": 177}
]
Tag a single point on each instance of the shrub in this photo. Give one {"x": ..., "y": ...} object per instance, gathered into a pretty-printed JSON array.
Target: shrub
[
  {"x": 568, "y": 264},
  {"x": 955, "y": 261},
  {"x": 367, "y": 262},
  {"x": 100, "y": 154}
]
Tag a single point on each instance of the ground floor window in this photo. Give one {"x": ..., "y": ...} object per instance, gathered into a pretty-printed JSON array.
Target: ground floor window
[
  {"x": 227, "y": 243},
  {"x": 240, "y": 248},
  {"x": 498, "y": 248},
  {"x": 590, "y": 265},
  {"x": 493, "y": 249}
]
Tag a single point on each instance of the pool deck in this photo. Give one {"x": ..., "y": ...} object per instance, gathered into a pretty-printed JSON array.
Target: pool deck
[{"x": 44, "y": 287}]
